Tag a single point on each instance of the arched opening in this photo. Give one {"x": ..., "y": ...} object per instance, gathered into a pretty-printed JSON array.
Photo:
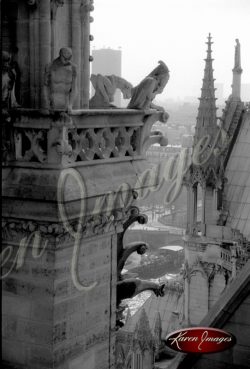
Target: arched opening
[{"x": 197, "y": 205}]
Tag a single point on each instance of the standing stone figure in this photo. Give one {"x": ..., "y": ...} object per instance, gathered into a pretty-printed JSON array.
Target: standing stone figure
[
  {"x": 8, "y": 101},
  {"x": 60, "y": 82},
  {"x": 8, "y": 82},
  {"x": 237, "y": 63},
  {"x": 144, "y": 93}
]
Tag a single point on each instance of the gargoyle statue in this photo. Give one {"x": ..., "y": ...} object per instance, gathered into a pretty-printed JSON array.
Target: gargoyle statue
[
  {"x": 139, "y": 246},
  {"x": 105, "y": 87},
  {"x": 144, "y": 93},
  {"x": 131, "y": 287}
]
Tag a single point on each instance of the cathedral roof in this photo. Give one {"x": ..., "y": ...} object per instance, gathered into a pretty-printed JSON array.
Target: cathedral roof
[
  {"x": 237, "y": 188},
  {"x": 221, "y": 314}
]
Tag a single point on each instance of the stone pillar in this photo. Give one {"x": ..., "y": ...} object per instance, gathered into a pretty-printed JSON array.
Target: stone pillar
[
  {"x": 77, "y": 46},
  {"x": 44, "y": 43},
  {"x": 86, "y": 8},
  {"x": 48, "y": 322},
  {"x": 203, "y": 206},
  {"x": 191, "y": 207},
  {"x": 194, "y": 194},
  {"x": 23, "y": 53},
  {"x": 34, "y": 63},
  {"x": 186, "y": 301},
  {"x": 59, "y": 296},
  {"x": 198, "y": 302}
]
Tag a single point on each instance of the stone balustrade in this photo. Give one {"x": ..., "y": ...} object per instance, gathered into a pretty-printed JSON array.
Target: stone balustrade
[
  {"x": 84, "y": 136},
  {"x": 226, "y": 259}
]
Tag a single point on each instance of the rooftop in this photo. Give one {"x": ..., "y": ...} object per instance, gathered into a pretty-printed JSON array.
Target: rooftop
[{"x": 237, "y": 189}]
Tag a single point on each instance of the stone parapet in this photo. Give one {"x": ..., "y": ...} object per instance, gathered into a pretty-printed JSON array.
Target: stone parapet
[{"x": 83, "y": 136}]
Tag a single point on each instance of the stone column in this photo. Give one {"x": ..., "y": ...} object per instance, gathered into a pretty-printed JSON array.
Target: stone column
[
  {"x": 34, "y": 57},
  {"x": 186, "y": 302},
  {"x": 86, "y": 8},
  {"x": 44, "y": 43},
  {"x": 203, "y": 207},
  {"x": 194, "y": 194},
  {"x": 23, "y": 53},
  {"x": 77, "y": 46},
  {"x": 59, "y": 291},
  {"x": 190, "y": 207}
]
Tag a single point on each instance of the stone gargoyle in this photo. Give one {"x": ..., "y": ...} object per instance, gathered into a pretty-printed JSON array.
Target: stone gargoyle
[
  {"x": 131, "y": 287},
  {"x": 138, "y": 246},
  {"x": 60, "y": 82},
  {"x": 144, "y": 93},
  {"x": 105, "y": 87}
]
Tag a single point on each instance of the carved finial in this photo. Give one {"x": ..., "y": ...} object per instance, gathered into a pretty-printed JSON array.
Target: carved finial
[{"x": 209, "y": 48}]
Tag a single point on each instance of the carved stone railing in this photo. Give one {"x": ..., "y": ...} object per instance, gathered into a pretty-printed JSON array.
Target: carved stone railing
[
  {"x": 81, "y": 137},
  {"x": 226, "y": 259}
]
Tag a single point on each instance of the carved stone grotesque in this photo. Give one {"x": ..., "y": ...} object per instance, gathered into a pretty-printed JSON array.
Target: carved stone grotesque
[
  {"x": 105, "y": 87},
  {"x": 86, "y": 7},
  {"x": 133, "y": 286},
  {"x": 60, "y": 82},
  {"x": 130, "y": 287},
  {"x": 148, "y": 88},
  {"x": 137, "y": 246}
]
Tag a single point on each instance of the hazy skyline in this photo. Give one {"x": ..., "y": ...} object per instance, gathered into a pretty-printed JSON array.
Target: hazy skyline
[{"x": 175, "y": 31}]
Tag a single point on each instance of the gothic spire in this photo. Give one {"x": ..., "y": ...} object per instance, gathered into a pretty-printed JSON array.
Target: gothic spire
[{"x": 206, "y": 119}]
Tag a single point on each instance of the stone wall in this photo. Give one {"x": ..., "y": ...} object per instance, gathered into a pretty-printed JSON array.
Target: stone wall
[{"x": 47, "y": 322}]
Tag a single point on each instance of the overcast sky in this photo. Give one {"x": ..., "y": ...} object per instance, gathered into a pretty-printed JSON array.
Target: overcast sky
[{"x": 175, "y": 31}]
